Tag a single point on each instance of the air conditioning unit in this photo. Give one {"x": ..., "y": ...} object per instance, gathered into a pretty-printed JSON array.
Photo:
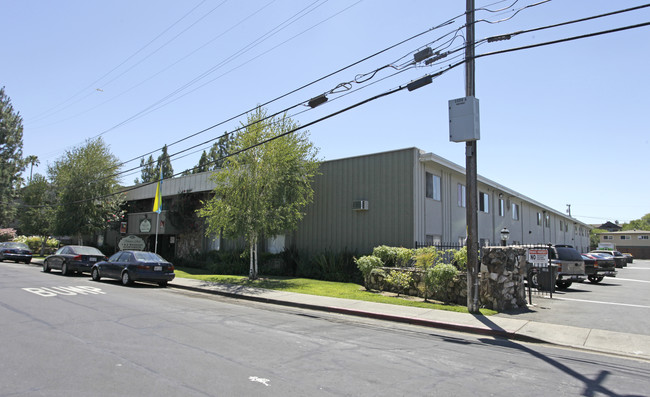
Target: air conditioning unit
[{"x": 360, "y": 205}]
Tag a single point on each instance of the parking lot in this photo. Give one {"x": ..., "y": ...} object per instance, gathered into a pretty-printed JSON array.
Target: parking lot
[{"x": 620, "y": 303}]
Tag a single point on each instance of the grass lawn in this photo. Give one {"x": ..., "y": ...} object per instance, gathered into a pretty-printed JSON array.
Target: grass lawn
[{"x": 322, "y": 288}]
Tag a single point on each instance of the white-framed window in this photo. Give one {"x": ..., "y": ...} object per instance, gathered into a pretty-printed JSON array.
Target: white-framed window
[
  {"x": 433, "y": 186},
  {"x": 483, "y": 202},
  {"x": 608, "y": 237},
  {"x": 626, "y": 237},
  {"x": 547, "y": 220},
  {"x": 643, "y": 237},
  {"x": 462, "y": 195},
  {"x": 561, "y": 225},
  {"x": 502, "y": 207},
  {"x": 539, "y": 219},
  {"x": 515, "y": 211}
]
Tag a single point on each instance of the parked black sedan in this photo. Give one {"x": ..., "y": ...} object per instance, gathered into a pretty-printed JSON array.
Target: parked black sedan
[
  {"x": 130, "y": 266},
  {"x": 621, "y": 260},
  {"x": 17, "y": 252},
  {"x": 73, "y": 258},
  {"x": 597, "y": 266}
]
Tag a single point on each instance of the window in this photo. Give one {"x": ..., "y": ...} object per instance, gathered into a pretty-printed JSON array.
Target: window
[
  {"x": 547, "y": 220},
  {"x": 462, "y": 195},
  {"x": 484, "y": 202},
  {"x": 561, "y": 225},
  {"x": 626, "y": 237},
  {"x": 539, "y": 219},
  {"x": 502, "y": 207},
  {"x": 433, "y": 186},
  {"x": 643, "y": 237},
  {"x": 608, "y": 237},
  {"x": 515, "y": 211}
]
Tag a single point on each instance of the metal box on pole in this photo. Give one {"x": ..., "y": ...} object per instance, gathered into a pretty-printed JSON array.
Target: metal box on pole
[{"x": 464, "y": 120}]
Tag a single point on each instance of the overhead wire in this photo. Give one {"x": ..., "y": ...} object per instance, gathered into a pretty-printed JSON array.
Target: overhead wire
[{"x": 94, "y": 83}]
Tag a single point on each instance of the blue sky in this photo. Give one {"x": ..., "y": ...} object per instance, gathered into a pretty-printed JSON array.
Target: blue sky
[{"x": 562, "y": 124}]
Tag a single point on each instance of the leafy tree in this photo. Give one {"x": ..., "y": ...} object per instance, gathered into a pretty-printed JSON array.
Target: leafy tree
[
  {"x": 11, "y": 157},
  {"x": 37, "y": 216},
  {"x": 148, "y": 171},
  {"x": 165, "y": 162},
  {"x": 638, "y": 224},
  {"x": 262, "y": 190},
  {"x": 593, "y": 237},
  {"x": 83, "y": 178}
]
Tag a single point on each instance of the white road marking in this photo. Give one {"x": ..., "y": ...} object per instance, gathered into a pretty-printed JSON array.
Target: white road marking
[
  {"x": 263, "y": 381},
  {"x": 629, "y": 279},
  {"x": 54, "y": 291},
  {"x": 602, "y": 303}
]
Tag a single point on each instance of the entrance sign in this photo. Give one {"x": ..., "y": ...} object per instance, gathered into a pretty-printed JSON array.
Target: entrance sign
[{"x": 131, "y": 243}]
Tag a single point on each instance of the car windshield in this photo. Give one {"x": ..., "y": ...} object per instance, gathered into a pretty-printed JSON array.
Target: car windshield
[
  {"x": 21, "y": 246},
  {"x": 147, "y": 257},
  {"x": 82, "y": 250}
]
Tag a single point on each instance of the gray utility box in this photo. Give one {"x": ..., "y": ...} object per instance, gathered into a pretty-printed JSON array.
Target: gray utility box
[{"x": 464, "y": 120}]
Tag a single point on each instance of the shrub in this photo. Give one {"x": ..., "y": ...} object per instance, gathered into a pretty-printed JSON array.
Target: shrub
[
  {"x": 400, "y": 280},
  {"x": 439, "y": 279},
  {"x": 366, "y": 263},
  {"x": 393, "y": 256},
  {"x": 34, "y": 243},
  {"x": 7, "y": 234},
  {"x": 460, "y": 258}
]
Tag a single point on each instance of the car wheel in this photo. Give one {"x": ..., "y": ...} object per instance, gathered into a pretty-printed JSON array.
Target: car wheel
[
  {"x": 28, "y": 261},
  {"x": 126, "y": 279},
  {"x": 46, "y": 267},
  {"x": 162, "y": 284},
  {"x": 95, "y": 274},
  {"x": 595, "y": 279},
  {"x": 64, "y": 269},
  {"x": 533, "y": 281},
  {"x": 562, "y": 285}
]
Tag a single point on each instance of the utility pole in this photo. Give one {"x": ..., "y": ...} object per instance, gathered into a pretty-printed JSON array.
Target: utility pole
[{"x": 471, "y": 173}]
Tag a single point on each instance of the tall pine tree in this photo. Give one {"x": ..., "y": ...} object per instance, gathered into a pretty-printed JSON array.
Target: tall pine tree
[{"x": 11, "y": 158}]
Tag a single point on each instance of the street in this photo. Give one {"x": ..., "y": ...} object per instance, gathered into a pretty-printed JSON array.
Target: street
[{"x": 70, "y": 336}]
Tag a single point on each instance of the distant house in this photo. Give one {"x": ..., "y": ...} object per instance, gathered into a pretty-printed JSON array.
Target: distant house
[
  {"x": 636, "y": 242},
  {"x": 610, "y": 227},
  {"x": 404, "y": 198}
]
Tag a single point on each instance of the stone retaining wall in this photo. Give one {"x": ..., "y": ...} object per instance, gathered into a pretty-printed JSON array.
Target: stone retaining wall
[{"x": 501, "y": 281}]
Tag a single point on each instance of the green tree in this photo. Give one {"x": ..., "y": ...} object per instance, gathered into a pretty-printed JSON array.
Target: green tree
[
  {"x": 219, "y": 151},
  {"x": 38, "y": 213},
  {"x": 148, "y": 171},
  {"x": 593, "y": 237},
  {"x": 203, "y": 164},
  {"x": 638, "y": 224},
  {"x": 263, "y": 190},
  {"x": 31, "y": 160},
  {"x": 165, "y": 163},
  {"x": 11, "y": 157},
  {"x": 83, "y": 178}
]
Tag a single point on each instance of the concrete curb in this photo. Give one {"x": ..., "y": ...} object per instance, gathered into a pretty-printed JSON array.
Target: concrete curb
[{"x": 379, "y": 316}]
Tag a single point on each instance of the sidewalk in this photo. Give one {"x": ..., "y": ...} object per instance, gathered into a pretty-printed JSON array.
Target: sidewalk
[{"x": 629, "y": 345}]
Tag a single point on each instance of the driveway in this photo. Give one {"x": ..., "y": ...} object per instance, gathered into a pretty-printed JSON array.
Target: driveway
[{"x": 620, "y": 303}]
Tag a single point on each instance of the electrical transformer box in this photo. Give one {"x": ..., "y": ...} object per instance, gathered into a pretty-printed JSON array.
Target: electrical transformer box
[{"x": 464, "y": 120}]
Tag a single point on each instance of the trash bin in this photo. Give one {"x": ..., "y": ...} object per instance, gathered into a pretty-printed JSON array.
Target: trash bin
[{"x": 546, "y": 277}]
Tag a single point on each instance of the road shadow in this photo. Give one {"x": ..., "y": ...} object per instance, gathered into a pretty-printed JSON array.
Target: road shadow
[{"x": 592, "y": 387}]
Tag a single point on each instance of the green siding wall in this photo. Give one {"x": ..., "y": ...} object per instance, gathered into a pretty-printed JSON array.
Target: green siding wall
[{"x": 385, "y": 180}]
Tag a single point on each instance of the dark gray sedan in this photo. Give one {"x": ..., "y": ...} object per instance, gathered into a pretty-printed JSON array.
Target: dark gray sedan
[
  {"x": 17, "y": 252},
  {"x": 130, "y": 266},
  {"x": 73, "y": 258}
]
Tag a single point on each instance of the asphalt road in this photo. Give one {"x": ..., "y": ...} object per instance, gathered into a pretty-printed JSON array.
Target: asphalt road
[
  {"x": 620, "y": 303},
  {"x": 70, "y": 336}
]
